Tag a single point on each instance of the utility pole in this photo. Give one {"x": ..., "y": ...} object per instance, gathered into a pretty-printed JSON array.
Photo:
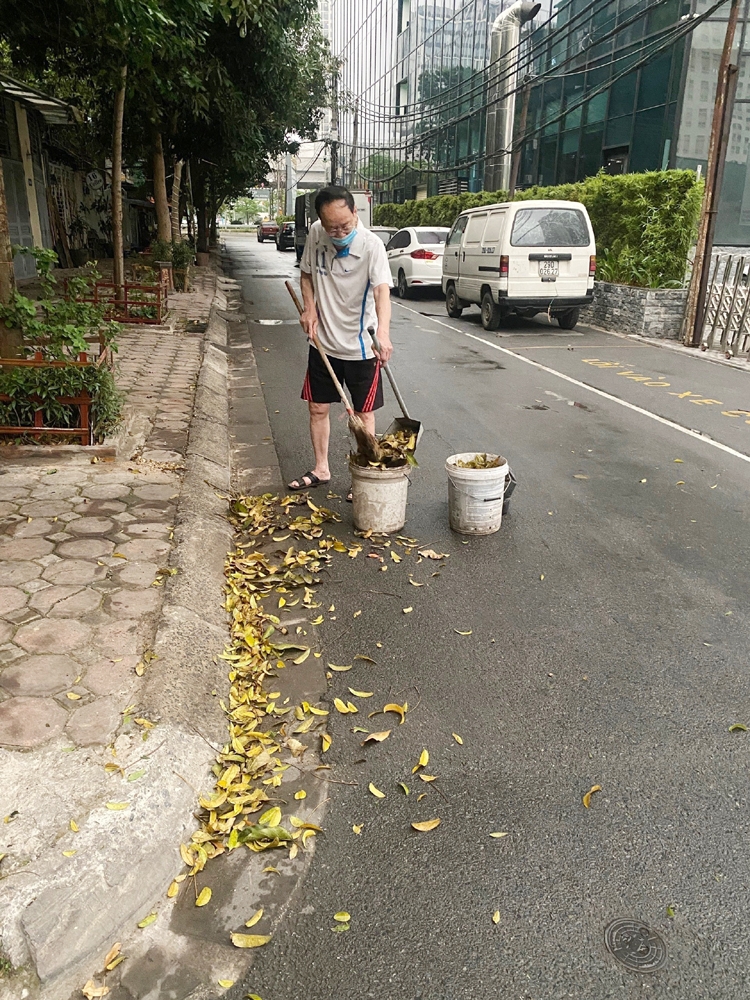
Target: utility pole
[
  {"x": 7, "y": 274},
  {"x": 516, "y": 161},
  {"x": 355, "y": 142},
  {"x": 335, "y": 128},
  {"x": 717, "y": 149}
]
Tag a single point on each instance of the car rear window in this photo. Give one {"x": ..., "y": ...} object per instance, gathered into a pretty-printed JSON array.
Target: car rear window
[
  {"x": 384, "y": 235},
  {"x": 549, "y": 227},
  {"x": 431, "y": 236}
]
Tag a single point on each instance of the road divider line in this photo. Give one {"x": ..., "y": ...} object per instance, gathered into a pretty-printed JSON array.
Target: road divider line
[{"x": 697, "y": 435}]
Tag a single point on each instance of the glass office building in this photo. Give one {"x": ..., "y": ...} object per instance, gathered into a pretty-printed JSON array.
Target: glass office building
[
  {"x": 623, "y": 85},
  {"x": 412, "y": 93}
]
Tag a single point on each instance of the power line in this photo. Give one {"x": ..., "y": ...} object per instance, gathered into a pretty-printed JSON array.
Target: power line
[{"x": 678, "y": 33}]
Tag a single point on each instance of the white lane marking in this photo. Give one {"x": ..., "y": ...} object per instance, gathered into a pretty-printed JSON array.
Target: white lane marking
[{"x": 598, "y": 392}]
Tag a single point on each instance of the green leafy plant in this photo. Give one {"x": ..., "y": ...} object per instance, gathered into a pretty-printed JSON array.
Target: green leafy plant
[
  {"x": 59, "y": 327},
  {"x": 31, "y": 388},
  {"x": 644, "y": 223}
]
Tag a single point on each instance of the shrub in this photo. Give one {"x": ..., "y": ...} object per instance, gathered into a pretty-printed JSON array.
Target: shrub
[{"x": 644, "y": 223}]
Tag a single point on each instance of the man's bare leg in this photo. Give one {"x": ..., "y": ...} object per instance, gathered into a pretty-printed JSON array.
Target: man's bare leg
[
  {"x": 368, "y": 419},
  {"x": 320, "y": 433}
]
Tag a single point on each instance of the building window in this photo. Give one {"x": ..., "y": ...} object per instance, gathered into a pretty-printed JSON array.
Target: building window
[
  {"x": 404, "y": 15},
  {"x": 704, "y": 90},
  {"x": 702, "y": 116},
  {"x": 402, "y": 97}
]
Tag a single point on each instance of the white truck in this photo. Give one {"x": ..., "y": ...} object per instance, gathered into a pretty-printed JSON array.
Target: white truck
[{"x": 305, "y": 215}]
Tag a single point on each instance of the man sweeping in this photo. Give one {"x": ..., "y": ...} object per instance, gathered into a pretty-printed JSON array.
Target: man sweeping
[{"x": 346, "y": 284}]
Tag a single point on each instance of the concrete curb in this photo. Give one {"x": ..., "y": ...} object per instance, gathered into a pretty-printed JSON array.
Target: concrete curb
[{"x": 125, "y": 861}]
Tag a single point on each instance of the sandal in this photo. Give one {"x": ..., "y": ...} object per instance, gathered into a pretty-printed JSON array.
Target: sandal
[{"x": 302, "y": 485}]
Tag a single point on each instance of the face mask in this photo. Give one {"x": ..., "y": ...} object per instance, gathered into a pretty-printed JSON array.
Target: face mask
[{"x": 340, "y": 242}]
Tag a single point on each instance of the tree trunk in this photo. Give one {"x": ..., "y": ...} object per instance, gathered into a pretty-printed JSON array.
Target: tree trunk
[
  {"x": 214, "y": 210},
  {"x": 7, "y": 274},
  {"x": 176, "y": 214},
  {"x": 163, "y": 227},
  {"x": 117, "y": 242},
  {"x": 200, "y": 196}
]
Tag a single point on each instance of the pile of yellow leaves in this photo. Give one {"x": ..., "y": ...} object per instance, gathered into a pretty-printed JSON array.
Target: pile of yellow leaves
[{"x": 396, "y": 449}]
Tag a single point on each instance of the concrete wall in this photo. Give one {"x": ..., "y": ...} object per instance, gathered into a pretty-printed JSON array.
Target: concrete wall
[{"x": 651, "y": 312}]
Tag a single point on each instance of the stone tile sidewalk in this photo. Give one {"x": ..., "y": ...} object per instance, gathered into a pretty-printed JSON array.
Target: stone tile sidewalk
[{"x": 85, "y": 553}]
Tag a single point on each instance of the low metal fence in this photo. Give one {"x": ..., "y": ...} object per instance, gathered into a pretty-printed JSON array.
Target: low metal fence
[
  {"x": 139, "y": 303},
  {"x": 81, "y": 429}
]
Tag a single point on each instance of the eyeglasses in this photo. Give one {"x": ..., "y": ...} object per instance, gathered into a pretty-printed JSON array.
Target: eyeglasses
[{"x": 340, "y": 230}]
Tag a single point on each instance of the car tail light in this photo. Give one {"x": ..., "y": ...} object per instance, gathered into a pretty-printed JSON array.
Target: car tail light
[
  {"x": 423, "y": 255},
  {"x": 504, "y": 266},
  {"x": 592, "y": 265}
]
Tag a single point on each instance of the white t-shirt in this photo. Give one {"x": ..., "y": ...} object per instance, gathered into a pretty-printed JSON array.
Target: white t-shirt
[{"x": 343, "y": 286}]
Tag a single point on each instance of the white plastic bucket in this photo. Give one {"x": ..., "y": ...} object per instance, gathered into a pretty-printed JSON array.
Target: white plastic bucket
[
  {"x": 475, "y": 496},
  {"x": 379, "y": 498}
]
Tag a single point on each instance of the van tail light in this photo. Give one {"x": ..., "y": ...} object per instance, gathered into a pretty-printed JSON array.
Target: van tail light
[
  {"x": 592, "y": 265},
  {"x": 423, "y": 255},
  {"x": 504, "y": 266}
]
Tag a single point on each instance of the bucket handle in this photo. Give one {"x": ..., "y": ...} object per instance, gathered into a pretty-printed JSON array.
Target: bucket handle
[{"x": 493, "y": 499}]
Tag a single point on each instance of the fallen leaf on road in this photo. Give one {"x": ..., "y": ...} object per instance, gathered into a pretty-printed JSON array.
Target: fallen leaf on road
[
  {"x": 112, "y": 954},
  {"x": 541, "y": 576},
  {"x": 426, "y": 825},
  {"x": 115, "y": 806},
  {"x": 377, "y": 737},
  {"x": 91, "y": 991},
  {"x": 424, "y": 760},
  {"x": 69, "y": 854},
  {"x": 408, "y": 611},
  {"x": 414, "y": 583},
  {"x": 250, "y": 940},
  {"x": 502, "y": 834},
  {"x": 325, "y": 740},
  {"x": 342, "y": 917},
  {"x": 341, "y": 928},
  {"x": 670, "y": 911},
  {"x": 400, "y": 710},
  {"x": 271, "y": 817},
  {"x": 72, "y": 696},
  {"x": 270, "y": 868},
  {"x": 301, "y": 794},
  {"x": 317, "y": 621},
  {"x": 459, "y": 632},
  {"x": 302, "y": 657},
  {"x": 678, "y": 460},
  {"x": 226, "y": 983},
  {"x": 644, "y": 480},
  {"x": 357, "y": 828},
  {"x": 172, "y": 890},
  {"x": 395, "y": 557},
  {"x": 114, "y": 963},
  {"x": 427, "y": 777},
  {"x": 255, "y": 918},
  {"x": 680, "y": 482},
  {"x": 578, "y": 476},
  {"x": 432, "y": 554},
  {"x": 361, "y": 694},
  {"x": 496, "y": 917},
  {"x": 340, "y": 706},
  {"x": 367, "y": 659},
  {"x": 458, "y": 739},
  {"x": 148, "y": 920},
  {"x": 73, "y": 826},
  {"x": 376, "y": 791},
  {"x": 738, "y": 727},
  {"x": 587, "y": 797},
  {"x": 340, "y": 670},
  {"x": 204, "y": 896},
  {"x": 351, "y": 707}
]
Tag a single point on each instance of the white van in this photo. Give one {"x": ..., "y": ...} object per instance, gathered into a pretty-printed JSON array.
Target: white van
[{"x": 524, "y": 257}]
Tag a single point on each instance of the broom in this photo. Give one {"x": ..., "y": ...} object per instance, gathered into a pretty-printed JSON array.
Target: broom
[{"x": 367, "y": 445}]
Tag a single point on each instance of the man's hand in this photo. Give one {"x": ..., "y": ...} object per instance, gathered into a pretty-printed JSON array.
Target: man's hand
[
  {"x": 386, "y": 347},
  {"x": 309, "y": 323}
]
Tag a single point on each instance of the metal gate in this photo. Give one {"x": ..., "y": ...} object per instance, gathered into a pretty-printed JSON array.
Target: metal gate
[{"x": 726, "y": 325}]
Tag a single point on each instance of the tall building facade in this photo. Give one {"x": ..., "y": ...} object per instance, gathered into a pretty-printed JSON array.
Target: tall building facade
[
  {"x": 411, "y": 108},
  {"x": 629, "y": 85}
]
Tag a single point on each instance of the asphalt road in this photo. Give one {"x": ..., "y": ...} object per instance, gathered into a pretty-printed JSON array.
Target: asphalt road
[{"x": 608, "y": 646}]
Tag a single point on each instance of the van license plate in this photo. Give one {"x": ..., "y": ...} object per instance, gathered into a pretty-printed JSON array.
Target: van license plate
[{"x": 548, "y": 269}]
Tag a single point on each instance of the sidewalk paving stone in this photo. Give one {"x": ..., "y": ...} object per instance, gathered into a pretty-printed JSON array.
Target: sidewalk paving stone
[{"x": 76, "y": 620}]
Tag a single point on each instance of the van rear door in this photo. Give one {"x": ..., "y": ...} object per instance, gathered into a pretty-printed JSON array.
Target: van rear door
[{"x": 549, "y": 252}]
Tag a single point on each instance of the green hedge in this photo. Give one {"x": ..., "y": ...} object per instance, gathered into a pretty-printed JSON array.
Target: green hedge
[{"x": 644, "y": 223}]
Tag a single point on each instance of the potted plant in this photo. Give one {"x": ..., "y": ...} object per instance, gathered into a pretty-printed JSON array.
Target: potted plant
[{"x": 78, "y": 235}]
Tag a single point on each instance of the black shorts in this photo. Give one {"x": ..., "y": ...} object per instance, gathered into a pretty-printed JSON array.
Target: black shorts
[{"x": 361, "y": 378}]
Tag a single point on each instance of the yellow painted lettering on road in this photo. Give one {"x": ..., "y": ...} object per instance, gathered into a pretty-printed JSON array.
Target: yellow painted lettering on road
[
  {"x": 706, "y": 402},
  {"x": 660, "y": 385},
  {"x": 684, "y": 395}
]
